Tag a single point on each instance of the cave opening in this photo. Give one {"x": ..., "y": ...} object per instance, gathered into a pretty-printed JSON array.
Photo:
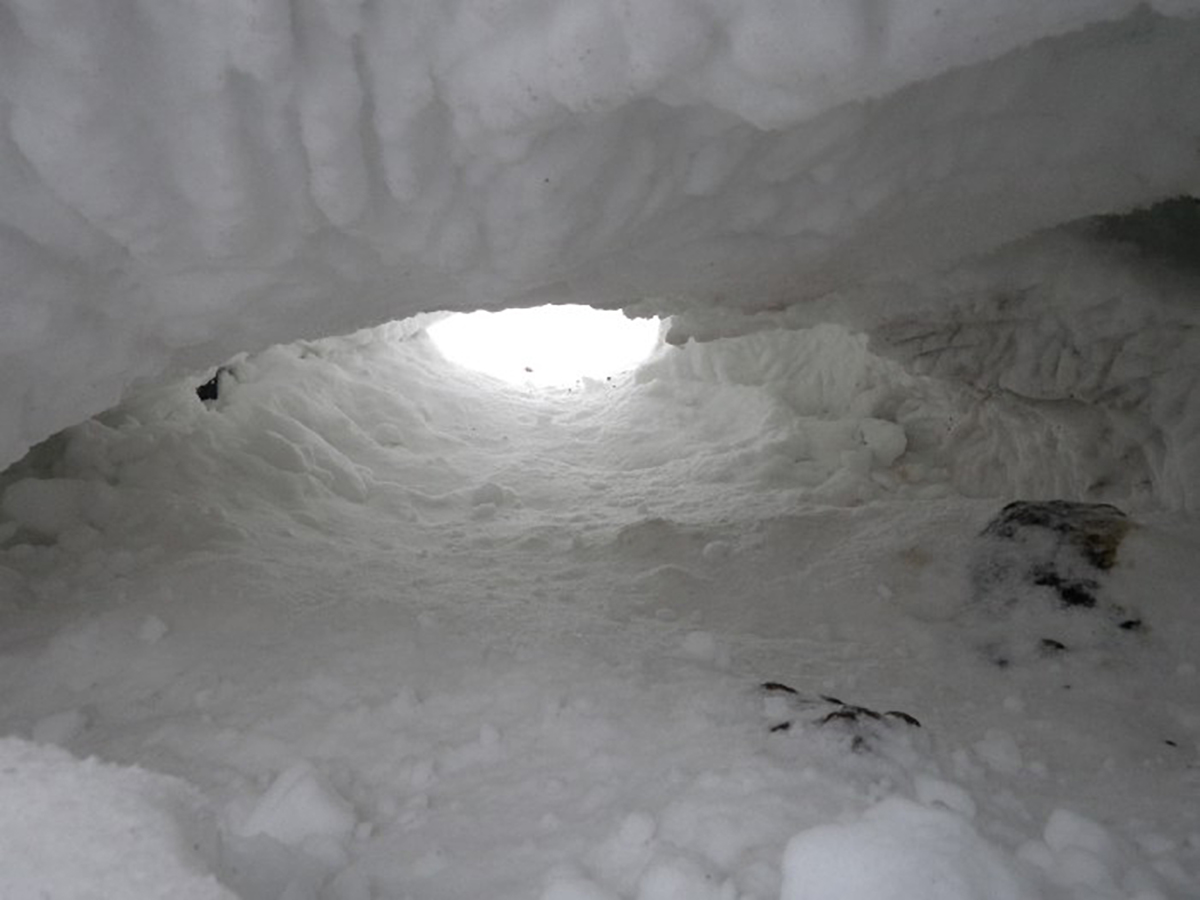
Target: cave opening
[{"x": 546, "y": 346}]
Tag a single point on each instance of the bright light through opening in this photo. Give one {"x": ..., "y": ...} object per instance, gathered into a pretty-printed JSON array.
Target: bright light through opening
[{"x": 548, "y": 346}]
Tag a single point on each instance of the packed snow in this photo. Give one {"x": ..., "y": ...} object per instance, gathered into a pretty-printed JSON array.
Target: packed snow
[
  {"x": 295, "y": 607},
  {"x": 370, "y": 625},
  {"x": 185, "y": 181}
]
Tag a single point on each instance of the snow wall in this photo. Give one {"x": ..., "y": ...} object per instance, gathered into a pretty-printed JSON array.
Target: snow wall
[{"x": 183, "y": 181}]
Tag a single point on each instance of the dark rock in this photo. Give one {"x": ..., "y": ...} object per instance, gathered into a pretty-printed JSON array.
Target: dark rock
[
  {"x": 850, "y": 714},
  {"x": 861, "y": 724},
  {"x": 1090, "y": 530},
  {"x": 776, "y": 686},
  {"x": 211, "y": 389},
  {"x": 1071, "y": 591},
  {"x": 1046, "y": 563}
]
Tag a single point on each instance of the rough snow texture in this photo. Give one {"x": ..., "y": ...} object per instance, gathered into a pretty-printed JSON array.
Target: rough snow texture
[
  {"x": 411, "y": 632},
  {"x": 81, "y": 829},
  {"x": 1063, "y": 330},
  {"x": 897, "y": 851},
  {"x": 183, "y": 181}
]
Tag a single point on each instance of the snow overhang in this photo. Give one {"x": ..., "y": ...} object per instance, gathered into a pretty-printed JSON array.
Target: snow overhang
[{"x": 180, "y": 183}]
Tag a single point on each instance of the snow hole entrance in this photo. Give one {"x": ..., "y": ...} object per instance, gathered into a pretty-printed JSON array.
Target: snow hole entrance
[{"x": 546, "y": 346}]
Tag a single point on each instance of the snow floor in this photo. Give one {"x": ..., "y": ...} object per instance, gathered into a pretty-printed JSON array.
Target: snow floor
[{"x": 370, "y": 626}]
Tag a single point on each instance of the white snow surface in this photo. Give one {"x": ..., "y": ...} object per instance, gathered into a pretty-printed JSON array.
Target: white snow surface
[
  {"x": 372, "y": 626},
  {"x": 183, "y": 181},
  {"x": 369, "y": 626},
  {"x": 86, "y": 829}
]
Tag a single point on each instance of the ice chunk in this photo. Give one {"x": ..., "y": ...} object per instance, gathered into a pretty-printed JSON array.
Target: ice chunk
[
  {"x": 717, "y": 551},
  {"x": 494, "y": 494},
  {"x": 1066, "y": 829},
  {"x": 298, "y": 806},
  {"x": 886, "y": 440}
]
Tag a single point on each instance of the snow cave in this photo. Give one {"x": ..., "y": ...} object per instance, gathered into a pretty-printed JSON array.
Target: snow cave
[{"x": 869, "y": 571}]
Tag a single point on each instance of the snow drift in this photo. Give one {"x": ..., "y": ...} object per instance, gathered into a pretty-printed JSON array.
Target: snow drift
[{"x": 184, "y": 181}]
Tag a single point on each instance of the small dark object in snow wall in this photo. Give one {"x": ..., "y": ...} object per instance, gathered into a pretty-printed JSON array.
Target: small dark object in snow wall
[{"x": 211, "y": 389}]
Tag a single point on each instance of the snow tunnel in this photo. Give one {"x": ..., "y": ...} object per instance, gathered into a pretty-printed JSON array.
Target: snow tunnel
[{"x": 867, "y": 575}]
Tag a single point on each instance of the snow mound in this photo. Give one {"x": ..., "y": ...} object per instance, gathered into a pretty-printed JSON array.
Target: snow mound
[
  {"x": 80, "y": 829},
  {"x": 1039, "y": 573},
  {"x": 299, "y": 805},
  {"x": 899, "y": 850}
]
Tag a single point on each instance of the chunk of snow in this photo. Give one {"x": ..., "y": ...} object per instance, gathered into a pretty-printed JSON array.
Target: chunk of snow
[
  {"x": 936, "y": 792},
  {"x": 681, "y": 879},
  {"x": 71, "y": 828},
  {"x": 885, "y": 440},
  {"x": 700, "y": 645},
  {"x": 299, "y": 805},
  {"x": 1066, "y": 829},
  {"x": 899, "y": 850},
  {"x": 999, "y": 750}
]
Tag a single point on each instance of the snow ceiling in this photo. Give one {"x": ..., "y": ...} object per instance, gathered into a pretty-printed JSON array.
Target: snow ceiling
[{"x": 180, "y": 181}]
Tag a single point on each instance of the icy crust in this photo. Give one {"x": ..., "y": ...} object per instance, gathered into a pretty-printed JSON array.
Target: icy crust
[
  {"x": 185, "y": 182},
  {"x": 80, "y": 829}
]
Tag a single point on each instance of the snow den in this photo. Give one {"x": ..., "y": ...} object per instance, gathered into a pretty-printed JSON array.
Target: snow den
[{"x": 861, "y": 566}]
